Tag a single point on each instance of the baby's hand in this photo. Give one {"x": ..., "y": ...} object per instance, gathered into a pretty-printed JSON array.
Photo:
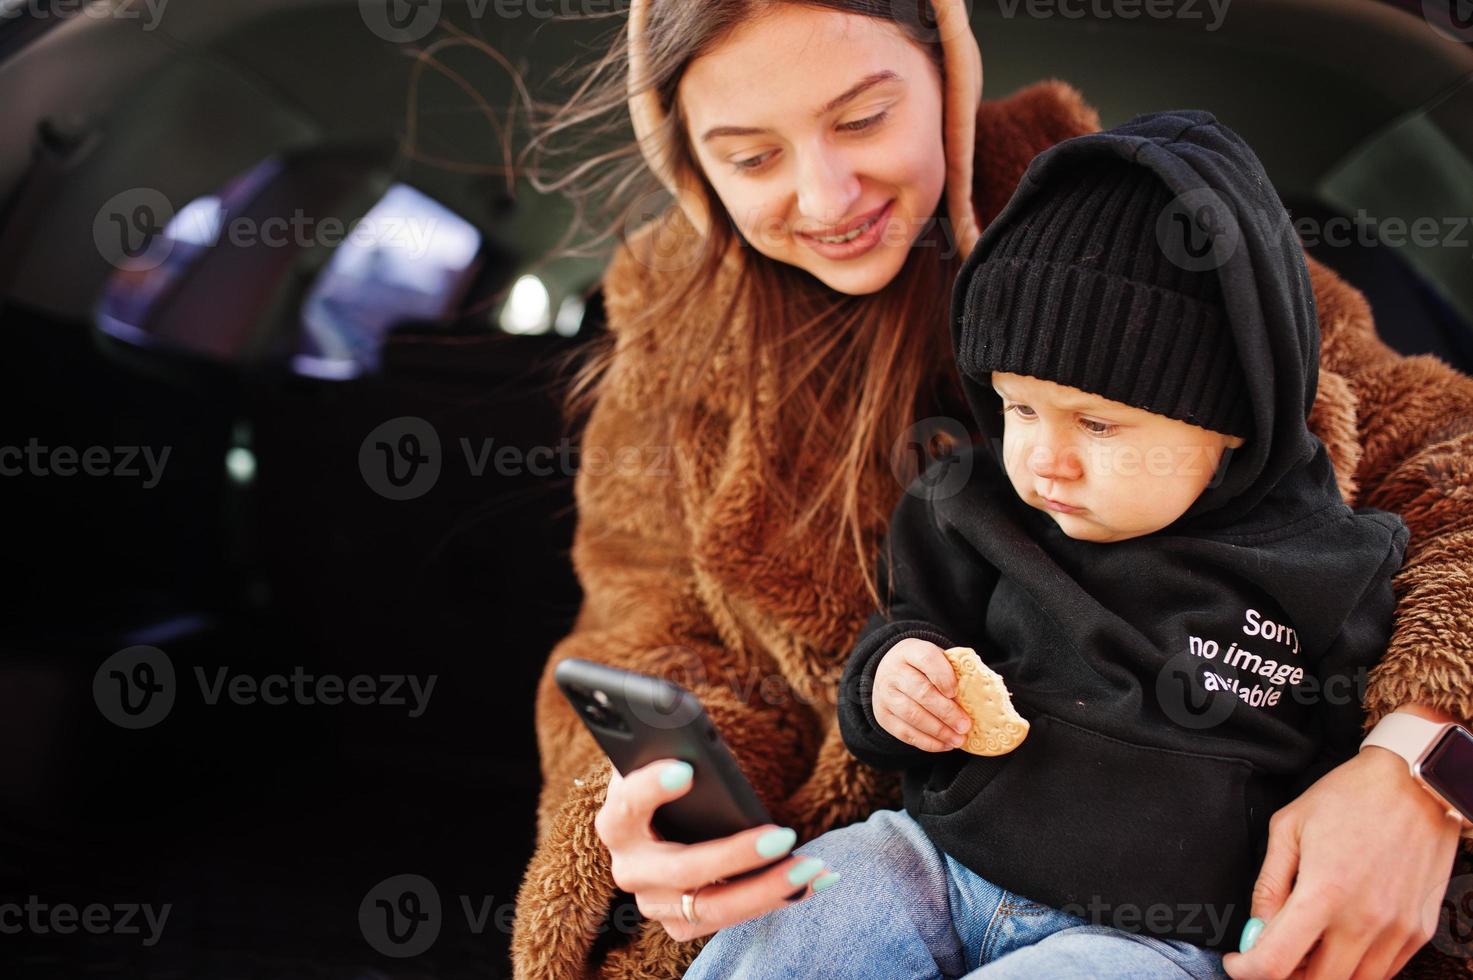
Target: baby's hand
[{"x": 914, "y": 694}]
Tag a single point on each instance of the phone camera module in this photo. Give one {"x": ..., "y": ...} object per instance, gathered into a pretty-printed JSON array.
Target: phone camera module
[{"x": 604, "y": 717}]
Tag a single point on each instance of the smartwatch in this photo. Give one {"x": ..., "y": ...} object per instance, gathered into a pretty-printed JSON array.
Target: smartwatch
[{"x": 1440, "y": 755}]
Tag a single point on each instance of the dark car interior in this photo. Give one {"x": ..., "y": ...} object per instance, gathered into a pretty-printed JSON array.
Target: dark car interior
[{"x": 268, "y": 543}]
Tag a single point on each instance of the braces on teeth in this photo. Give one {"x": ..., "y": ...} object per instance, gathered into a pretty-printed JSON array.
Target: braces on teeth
[{"x": 841, "y": 239}]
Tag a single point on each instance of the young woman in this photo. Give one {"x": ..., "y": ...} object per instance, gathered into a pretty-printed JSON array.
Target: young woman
[{"x": 778, "y": 344}]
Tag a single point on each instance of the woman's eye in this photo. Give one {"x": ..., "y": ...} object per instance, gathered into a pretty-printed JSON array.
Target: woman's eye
[
  {"x": 1097, "y": 428},
  {"x": 859, "y": 124},
  {"x": 1022, "y": 411},
  {"x": 751, "y": 163}
]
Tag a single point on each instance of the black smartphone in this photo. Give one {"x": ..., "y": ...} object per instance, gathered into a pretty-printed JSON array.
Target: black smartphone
[{"x": 638, "y": 719}]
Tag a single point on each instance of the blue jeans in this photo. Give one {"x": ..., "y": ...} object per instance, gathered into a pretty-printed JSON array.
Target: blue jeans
[{"x": 904, "y": 909}]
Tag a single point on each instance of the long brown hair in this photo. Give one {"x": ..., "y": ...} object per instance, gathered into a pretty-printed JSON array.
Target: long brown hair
[{"x": 856, "y": 371}]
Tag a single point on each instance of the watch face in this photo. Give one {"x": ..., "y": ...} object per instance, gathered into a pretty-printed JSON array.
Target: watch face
[{"x": 1448, "y": 769}]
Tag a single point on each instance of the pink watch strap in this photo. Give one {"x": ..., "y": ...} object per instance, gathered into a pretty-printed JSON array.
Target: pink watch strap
[
  {"x": 1409, "y": 736},
  {"x": 1405, "y": 734}
]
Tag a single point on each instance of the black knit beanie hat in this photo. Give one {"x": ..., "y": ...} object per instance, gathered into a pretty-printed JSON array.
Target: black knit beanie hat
[{"x": 1077, "y": 290}]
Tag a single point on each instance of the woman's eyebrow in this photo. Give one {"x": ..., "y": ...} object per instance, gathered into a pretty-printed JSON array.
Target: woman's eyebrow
[{"x": 853, "y": 92}]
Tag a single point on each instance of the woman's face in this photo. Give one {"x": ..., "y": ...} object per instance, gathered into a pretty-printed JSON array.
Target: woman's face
[{"x": 810, "y": 123}]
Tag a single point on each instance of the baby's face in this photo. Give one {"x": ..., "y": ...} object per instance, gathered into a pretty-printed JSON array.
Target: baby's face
[{"x": 1102, "y": 470}]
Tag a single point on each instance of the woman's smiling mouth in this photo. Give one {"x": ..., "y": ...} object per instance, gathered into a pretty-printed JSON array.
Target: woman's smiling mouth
[{"x": 861, "y": 236}]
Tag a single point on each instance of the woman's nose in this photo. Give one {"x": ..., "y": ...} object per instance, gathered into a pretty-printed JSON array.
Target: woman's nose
[{"x": 827, "y": 186}]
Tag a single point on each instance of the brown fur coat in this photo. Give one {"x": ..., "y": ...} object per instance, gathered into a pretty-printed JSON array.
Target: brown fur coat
[{"x": 679, "y": 581}]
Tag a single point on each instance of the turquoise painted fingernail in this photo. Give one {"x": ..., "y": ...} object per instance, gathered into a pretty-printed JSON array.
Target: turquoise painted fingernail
[
  {"x": 821, "y": 883},
  {"x": 804, "y": 871},
  {"x": 676, "y": 776},
  {"x": 776, "y": 843},
  {"x": 1251, "y": 930}
]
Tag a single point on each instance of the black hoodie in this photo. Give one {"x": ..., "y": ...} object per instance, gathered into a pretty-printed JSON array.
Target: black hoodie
[{"x": 1181, "y": 686}]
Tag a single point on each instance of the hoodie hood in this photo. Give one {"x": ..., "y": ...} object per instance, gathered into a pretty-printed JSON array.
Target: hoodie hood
[{"x": 1225, "y": 216}]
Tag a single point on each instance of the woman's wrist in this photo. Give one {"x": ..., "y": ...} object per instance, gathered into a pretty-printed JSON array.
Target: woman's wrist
[
  {"x": 1392, "y": 760},
  {"x": 1397, "y": 770}
]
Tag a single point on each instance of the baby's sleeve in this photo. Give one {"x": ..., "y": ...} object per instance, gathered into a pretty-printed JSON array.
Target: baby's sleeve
[
  {"x": 1344, "y": 670},
  {"x": 938, "y": 588}
]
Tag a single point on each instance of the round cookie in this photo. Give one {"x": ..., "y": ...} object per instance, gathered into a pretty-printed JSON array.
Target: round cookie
[{"x": 997, "y": 728}]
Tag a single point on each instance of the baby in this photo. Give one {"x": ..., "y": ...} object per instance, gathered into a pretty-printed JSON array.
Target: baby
[{"x": 1149, "y": 547}]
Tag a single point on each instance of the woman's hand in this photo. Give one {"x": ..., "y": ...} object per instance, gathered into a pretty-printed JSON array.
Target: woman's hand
[
  {"x": 657, "y": 871},
  {"x": 1373, "y": 852},
  {"x": 914, "y": 697}
]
